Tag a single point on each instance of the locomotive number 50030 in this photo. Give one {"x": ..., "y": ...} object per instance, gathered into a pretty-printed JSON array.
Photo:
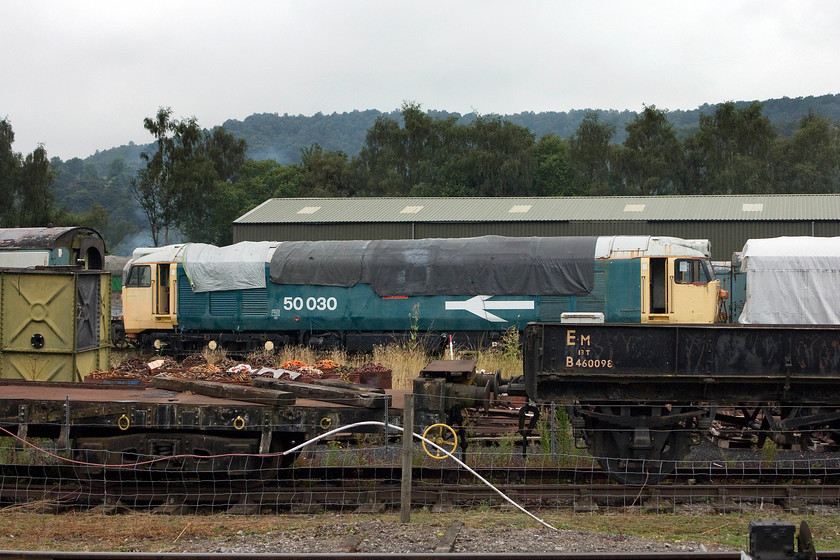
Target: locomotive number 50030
[{"x": 310, "y": 303}]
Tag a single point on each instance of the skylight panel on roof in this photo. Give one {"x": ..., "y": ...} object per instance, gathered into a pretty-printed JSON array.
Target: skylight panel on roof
[
  {"x": 308, "y": 209},
  {"x": 520, "y": 208},
  {"x": 634, "y": 207},
  {"x": 752, "y": 207},
  {"x": 411, "y": 209}
]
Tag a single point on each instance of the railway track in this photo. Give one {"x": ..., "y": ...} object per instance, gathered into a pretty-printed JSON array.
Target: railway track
[
  {"x": 378, "y": 489},
  {"x": 708, "y": 473}
]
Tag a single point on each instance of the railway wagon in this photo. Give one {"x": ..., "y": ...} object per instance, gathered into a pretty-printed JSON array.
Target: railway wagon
[
  {"x": 79, "y": 247},
  {"x": 54, "y": 323},
  {"x": 209, "y": 426},
  {"x": 639, "y": 395},
  {"x": 357, "y": 294}
]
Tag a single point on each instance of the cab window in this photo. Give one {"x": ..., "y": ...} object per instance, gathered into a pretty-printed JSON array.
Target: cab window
[
  {"x": 692, "y": 271},
  {"x": 139, "y": 277}
]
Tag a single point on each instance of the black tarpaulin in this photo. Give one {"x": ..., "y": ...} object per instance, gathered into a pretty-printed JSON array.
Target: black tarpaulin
[
  {"x": 324, "y": 263},
  {"x": 490, "y": 265}
]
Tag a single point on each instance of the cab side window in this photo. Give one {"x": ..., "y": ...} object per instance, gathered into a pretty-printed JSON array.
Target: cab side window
[
  {"x": 139, "y": 277},
  {"x": 691, "y": 271}
]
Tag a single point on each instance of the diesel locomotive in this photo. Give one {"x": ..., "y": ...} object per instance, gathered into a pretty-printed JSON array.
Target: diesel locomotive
[{"x": 356, "y": 294}]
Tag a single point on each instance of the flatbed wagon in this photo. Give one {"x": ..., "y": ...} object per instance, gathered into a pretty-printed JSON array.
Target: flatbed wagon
[
  {"x": 639, "y": 395},
  {"x": 117, "y": 424}
]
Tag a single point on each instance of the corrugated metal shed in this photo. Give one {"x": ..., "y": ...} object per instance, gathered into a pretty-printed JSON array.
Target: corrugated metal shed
[
  {"x": 654, "y": 208},
  {"x": 727, "y": 221}
]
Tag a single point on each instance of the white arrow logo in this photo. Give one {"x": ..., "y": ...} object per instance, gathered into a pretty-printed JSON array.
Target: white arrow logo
[{"x": 479, "y": 305}]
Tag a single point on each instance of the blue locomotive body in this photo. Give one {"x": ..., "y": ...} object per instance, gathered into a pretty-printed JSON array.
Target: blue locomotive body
[{"x": 357, "y": 294}]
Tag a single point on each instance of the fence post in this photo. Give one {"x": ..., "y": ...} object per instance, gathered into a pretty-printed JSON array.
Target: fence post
[
  {"x": 385, "y": 430},
  {"x": 407, "y": 458}
]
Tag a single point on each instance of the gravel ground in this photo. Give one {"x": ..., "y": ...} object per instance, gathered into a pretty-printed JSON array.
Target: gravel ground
[{"x": 388, "y": 537}]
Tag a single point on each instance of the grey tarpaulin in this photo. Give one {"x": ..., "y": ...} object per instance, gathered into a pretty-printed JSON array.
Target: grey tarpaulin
[
  {"x": 236, "y": 267},
  {"x": 490, "y": 265}
]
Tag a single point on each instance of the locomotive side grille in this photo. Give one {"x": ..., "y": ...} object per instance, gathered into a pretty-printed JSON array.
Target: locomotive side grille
[
  {"x": 223, "y": 303},
  {"x": 255, "y": 302},
  {"x": 595, "y": 301},
  {"x": 551, "y": 307},
  {"x": 190, "y": 303}
]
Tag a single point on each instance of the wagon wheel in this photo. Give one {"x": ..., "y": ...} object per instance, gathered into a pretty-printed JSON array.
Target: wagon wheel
[
  {"x": 611, "y": 446},
  {"x": 805, "y": 542},
  {"x": 442, "y": 435}
]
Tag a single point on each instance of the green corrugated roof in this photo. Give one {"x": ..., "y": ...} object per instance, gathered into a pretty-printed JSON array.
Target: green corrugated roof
[{"x": 528, "y": 209}]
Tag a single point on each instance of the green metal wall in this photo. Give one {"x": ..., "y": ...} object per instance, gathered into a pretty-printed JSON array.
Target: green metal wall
[{"x": 54, "y": 324}]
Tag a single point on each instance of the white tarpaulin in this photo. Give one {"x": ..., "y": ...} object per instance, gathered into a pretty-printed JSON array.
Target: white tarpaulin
[
  {"x": 792, "y": 281},
  {"x": 210, "y": 269}
]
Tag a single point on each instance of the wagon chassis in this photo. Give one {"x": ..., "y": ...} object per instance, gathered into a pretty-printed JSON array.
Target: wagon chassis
[
  {"x": 643, "y": 394},
  {"x": 123, "y": 425}
]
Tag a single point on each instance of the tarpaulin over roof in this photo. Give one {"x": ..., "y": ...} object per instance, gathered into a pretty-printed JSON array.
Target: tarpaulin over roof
[
  {"x": 209, "y": 268},
  {"x": 792, "y": 281},
  {"x": 490, "y": 265}
]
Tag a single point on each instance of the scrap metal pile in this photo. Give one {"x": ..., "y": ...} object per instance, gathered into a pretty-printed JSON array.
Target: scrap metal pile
[{"x": 226, "y": 370}]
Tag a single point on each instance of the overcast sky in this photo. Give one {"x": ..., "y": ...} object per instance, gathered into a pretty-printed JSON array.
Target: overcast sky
[{"x": 81, "y": 75}]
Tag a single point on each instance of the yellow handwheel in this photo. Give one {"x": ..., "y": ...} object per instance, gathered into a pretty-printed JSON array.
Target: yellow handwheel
[{"x": 442, "y": 435}]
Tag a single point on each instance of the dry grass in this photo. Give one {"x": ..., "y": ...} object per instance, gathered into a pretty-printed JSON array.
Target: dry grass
[
  {"x": 404, "y": 363},
  {"x": 164, "y": 533}
]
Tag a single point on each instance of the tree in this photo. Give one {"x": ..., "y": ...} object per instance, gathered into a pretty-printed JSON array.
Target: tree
[
  {"x": 153, "y": 186},
  {"x": 194, "y": 180},
  {"x": 651, "y": 161},
  {"x": 324, "y": 173},
  {"x": 9, "y": 168},
  {"x": 809, "y": 161},
  {"x": 260, "y": 180},
  {"x": 226, "y": 152},
  {"x": 25, "y": 184},
  {"x": 96, "y": 218},
  {"x": 35, "y": 195},
  {"x": 591, "y": 157},
  {"x": 488, "y": 157},
  {"x": 498, "y": 159},
  {"x": 552, "y": 176},
  {"x": 731, "y": 152},
  {"x": 394, "y": 160},
  {"x": 257, "y": 182},
  {"x": 380, "y": 163},
  {"x": 179, "y": 187}
]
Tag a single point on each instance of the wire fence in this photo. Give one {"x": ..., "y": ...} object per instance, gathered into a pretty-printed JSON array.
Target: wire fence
[{"x": 347, "y": 471}]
